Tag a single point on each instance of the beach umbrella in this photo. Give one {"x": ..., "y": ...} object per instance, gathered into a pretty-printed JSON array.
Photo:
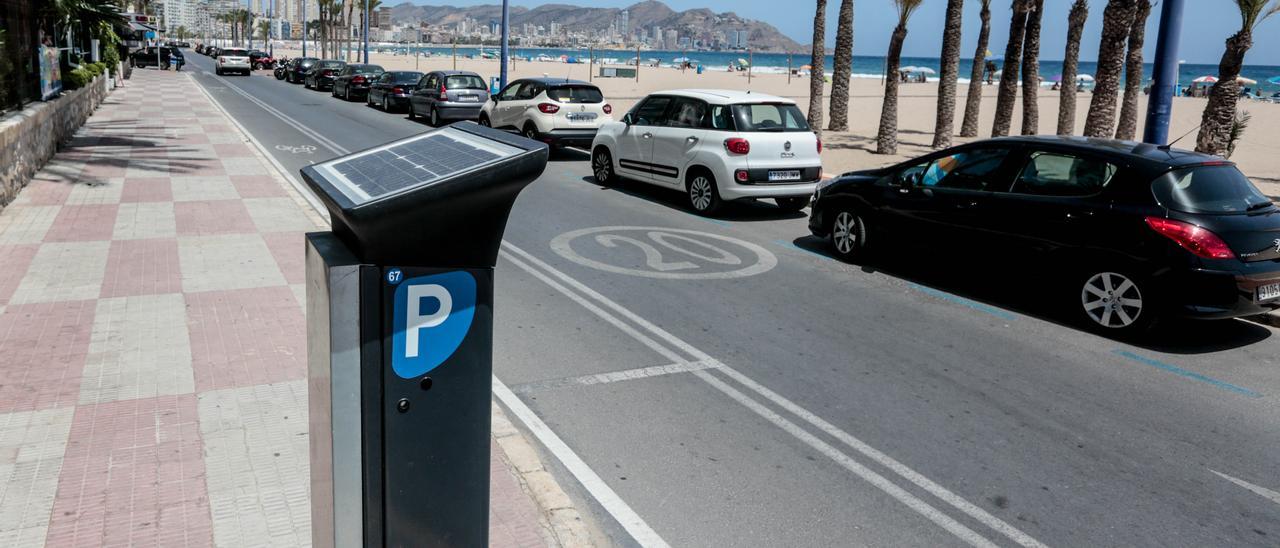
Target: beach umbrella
[
  {"x": 925, "y": 70},
  {"x": 806, "y": 67},
  {"x": 1206, "y": 80},
  {"x": 1055, "y": 78},
  {"x": 1084, "y": 78},
  {"x": 743, "y": 62},
  {"x": 1246, "y": 81},
  {"x": 1274, "y": 80}
]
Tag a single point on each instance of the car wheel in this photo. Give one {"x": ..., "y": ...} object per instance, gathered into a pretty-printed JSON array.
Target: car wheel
[
  {"x": 530, "y": 131},
  {"x": 435, "y": 117},
  {"x": 1116, "y": 302},
  {"x": 602, "y": 167},
  {"x": 848, "y": 234},
  {"x": 413, "y": 115},
  {"x": 484, "y": 120},
  {"x": 792, "y": 204},
  {"x": 346, "y": 93},
  {"x": 386, "y": 104},
  {"x": 217, "y": 70},
  {"x": 702, "y": 192}
]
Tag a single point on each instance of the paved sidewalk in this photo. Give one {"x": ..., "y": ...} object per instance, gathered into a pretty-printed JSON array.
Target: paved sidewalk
[{"x": 152, "y": 340}]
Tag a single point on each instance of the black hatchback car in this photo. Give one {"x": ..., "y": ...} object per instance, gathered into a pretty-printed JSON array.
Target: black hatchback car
[
  {"x": 298, "y": 68},
  {"x": 1125, "y": 232},
  {"x": 391, "y": 90},
  {"x": 321, "y": 75},
  {"x": 353, "y": 80}
]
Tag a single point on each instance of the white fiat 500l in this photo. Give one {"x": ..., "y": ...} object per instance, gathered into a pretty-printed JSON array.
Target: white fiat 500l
[
  {"x": 715, "y": 146},
  {"x": 556, "y": 111}
]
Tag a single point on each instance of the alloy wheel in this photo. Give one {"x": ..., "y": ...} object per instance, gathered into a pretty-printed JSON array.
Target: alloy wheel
[
  {"x": 846, "y": 232},
  {"x": 386, "y": 104},
  {"x": 602, "y": 168},
  {"x": 700, "y": 193},
  {"x": 531, "y": 133},
  {"x": 1111, "y": 300},
  {"x": 435, "y": 117}
]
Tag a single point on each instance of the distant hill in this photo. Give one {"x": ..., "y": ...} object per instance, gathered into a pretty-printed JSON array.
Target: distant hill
[{"x": 697, "y": 23}]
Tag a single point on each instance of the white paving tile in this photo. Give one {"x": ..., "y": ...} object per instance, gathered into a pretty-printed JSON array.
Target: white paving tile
[
  {"x": 106, "y": 191},
  {"x": 31, "y": 448},
  {"x": 299, "y": 294},
  {"x": 139, "y": 349},
  {"x": 232, "y": 261},
  {"x": 68, "y": 271},
  {"x": 136, "y": 221},
  {"x": 26, "y": 224},
  {"x": 204, "y": 187},
  {"x": 278, "y": 215},
  {"x": 256, "y": 463}
]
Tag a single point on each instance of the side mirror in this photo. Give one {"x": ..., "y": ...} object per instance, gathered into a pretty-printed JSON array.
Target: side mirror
[
  {"x": 626, "y": 119},
  {"x": 493, "y": 98}
]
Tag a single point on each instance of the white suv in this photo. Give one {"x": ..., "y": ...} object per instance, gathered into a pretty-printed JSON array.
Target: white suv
[
  {"x": 556, "y": 111},
  {"x": 715, "y": 146},
  {"x": 233, "y": 60}
]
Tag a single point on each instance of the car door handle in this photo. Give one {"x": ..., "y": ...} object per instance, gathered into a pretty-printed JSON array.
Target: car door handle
[
  {"x": 1078, "y": 215},
  {"x": 967, "y": 205},
  {"x": 647, "y": 135},
  {"x": 692, "y": 139}
]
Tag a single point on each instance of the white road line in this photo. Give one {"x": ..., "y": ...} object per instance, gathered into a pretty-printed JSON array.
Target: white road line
[
  {"x": 858, "y": 445},
  {"x": 332, "y": 146},
  {"x": 618, "y": 509},
  {"x": 614, "y": 376},
  {"x": 1263, "y": 492},
  {"x": 605, "y": 495}
]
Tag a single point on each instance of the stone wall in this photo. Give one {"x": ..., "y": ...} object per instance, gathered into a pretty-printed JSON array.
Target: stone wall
[{"x": 30, "y": 137}]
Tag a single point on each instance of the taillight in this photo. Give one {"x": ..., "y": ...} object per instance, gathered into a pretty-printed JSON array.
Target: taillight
[
  {"x": 222, "y": 59},
  {"x": 819, "y": 145},
  {"x": 443, "y": 92},
  {"x": 357, "y": 80},
  {"x": 548, "y": 108},
  {"x": 737, "y": 145},
  {"x": 1199, "y": 241},
  {"x": 608, "y": 109},
  {"x": 327, "y": 73},
  {"x": 397, "y": 90},
  {"x": 741, "y": 175}
]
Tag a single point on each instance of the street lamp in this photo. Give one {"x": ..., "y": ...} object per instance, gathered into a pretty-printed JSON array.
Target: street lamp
[
  {"x": 366, "y": 31},
  {"x": 304, "y": 28},
  {"x": 506, "y": 24},
  {"x": 1164, "y": 78}
]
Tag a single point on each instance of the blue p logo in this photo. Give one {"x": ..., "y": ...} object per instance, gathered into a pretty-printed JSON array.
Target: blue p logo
[{"x": 432, "y": 315}]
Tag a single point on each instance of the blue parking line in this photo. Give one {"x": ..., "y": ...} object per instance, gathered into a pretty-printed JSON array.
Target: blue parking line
[
  {"x": 792, "y": 245},
  {"x": 1183, "y": 372},
  {"x": 1002, "y": 314}
]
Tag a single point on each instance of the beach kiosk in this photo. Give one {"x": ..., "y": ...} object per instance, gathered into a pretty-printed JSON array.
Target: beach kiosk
[{"x": 400, "y": 335}]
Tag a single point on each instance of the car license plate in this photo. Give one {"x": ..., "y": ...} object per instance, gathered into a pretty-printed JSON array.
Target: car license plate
[
  {"x": 1268, "y": 292},
  {"x": 469, "y": 98},
  {"x": 582, "y": 116},
  {"x": 788, "y": 175}
]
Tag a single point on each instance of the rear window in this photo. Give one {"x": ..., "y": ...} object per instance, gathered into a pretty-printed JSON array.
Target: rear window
[
  {"x": 464, "y": 81},
  {"x": 1208, "y": 189},
  {"x": 330, "y": 64},
  {"x": 576, "y": 94},
  {"x": 234, "y": 52},
  {"x": 366, "y": 69},
  {"x": 769, "y": 117},
  {"x": 406, "y": 77}
]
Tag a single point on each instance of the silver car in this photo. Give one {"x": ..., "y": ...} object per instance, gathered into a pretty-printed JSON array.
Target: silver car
[
  {"x": 448, "y": 95},
  {"x": 233, "y": 60}
]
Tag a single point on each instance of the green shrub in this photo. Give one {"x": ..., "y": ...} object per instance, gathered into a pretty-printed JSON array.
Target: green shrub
[
  {"x": 110, "y": 57},
  {"x": 77, "y": 78}
]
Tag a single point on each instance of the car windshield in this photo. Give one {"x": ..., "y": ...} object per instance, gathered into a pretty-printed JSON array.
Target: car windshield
[
  {"x": 464, "y": 81},
  {"x": 1209, "y": 189},
  {"x": 234, "y": 52},
  {"x": 576, "y": 94},
  {"x": 769, "y": 117}
]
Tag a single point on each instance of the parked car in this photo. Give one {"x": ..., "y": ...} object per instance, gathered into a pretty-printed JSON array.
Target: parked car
[
  {"x": 557, "y": 111},
  {"x": 149, "y": 57},
  {"x": 715, "y": 146},
  {"x": 233, "y": 60},
  {"x": 297, "y": 73},
  {"x": 353, "y": 80},
  {"x": 261, "y": 60},
  {"x": 320, "y": 76},
  {"x": 391, "y": 90},
  {"x": 200, "y": 48},
  {"x": 448, "y": 95},
  {"x": 1124, "y": 233},
  {"x": 212, "y": 51}
]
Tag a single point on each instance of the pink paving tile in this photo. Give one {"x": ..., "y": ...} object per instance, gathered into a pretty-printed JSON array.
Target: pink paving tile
[
  {"x": 513, "y": 518},
  {"x": 213, "y": 217},
  {"x": 257, "y": 186},
  {"x": 190, "y": 139},
  {"x": 133, "y": 475},
  {"x": 216, "y": 128},
  {"x": 100, "y": 168},
  {"x": 289, "y": 250},
  {"x": 232, "y": 150},
  {"x": 146, "y": 189},
  {"x": 14, "y": 260},
  {"x": 246, "y": 337},
  {"x": 142, "y": 267},
  {"x": 187, "y": 164},
  {"x": 43, "y": 347},
  {"x": 83, "y": 223},
  {"x": 46, "y": 191}
]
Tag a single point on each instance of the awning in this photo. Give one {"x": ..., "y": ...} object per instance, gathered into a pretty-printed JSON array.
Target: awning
[{"x": 136, "y": 26}]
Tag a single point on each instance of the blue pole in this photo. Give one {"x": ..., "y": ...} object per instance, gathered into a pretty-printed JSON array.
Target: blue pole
[
  {"x": 506, "y": 19},
  {"x": 366, "y": 31},
  {"x": 271, "y": 30},
  {"x": 304, "y": 28},
  {"x": 1165, "y": 75}
]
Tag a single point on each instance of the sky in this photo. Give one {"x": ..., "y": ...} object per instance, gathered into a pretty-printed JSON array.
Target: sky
[{"x": 1208, "y": 23}]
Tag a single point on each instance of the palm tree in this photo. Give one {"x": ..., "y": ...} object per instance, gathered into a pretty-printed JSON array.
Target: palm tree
[
  {"x": 816, "y": 73},
  {"x": 887, "y": 137},
  {"x": 973, "y": 103},
  {"x": 1116, "y": 20},
  {"x": 947, "y": 76},
  {"x": 1220, "y": 112},
  {"x": 1070, "y": 67},
  {"x": 844, "y": 65},
  {"x": 1009, "y": 77},
  {"x": 264, "y": 31},
  {"x": 1031, "y": 69},
  {"x": 1128, "y": 127}
]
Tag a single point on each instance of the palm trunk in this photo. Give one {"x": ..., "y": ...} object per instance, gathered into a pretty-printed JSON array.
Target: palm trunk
[
  {"x": 1133, "y": 77},
  {"x": 1220, "y": 112},
  {"x": 840, "y": 73},
  {"x": 1070, "y": 68},
  {"x": 816, "y": 72},
  {"x": 1031, "y": 70},
  {"x": 973, "y": 103},
  {"x": 1116, "y": 20},
  {"x": 947, "y": 77},
  {"x": 887, "y": 137},
  {"x": 1009, "y": 77}
]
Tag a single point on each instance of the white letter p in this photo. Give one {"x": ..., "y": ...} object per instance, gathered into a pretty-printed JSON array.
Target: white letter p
[{"x": 415, "y": 320}]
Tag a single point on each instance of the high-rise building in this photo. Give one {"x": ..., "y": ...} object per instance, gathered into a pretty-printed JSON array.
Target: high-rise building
[
  {"x": 671, "y": 39},
  {"x": 624, "y": 22}
]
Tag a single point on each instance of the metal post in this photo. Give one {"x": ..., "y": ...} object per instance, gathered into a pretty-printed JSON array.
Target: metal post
[
  {"x": 591, "y": 62},
  {"x": 1165, "y": 74},
  {"x": 366, "y": 31},
  {"x": 637, "y": 63},
  {"x": 506, "y": 22},
  {"x": 788, "y": 68},
  {"x": 455, "y": 53},
  {"x": 417, "y": 49},
  {"x": 271, "y": 28},
  {"x": 304, "y": 28},
  {"x": 750, "y": 65}
]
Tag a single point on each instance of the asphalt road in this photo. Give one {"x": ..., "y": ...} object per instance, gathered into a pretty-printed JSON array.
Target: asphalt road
[{"x": 735, "y": 386}]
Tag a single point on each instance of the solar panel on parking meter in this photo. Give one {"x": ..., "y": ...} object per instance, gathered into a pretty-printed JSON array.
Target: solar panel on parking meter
[{"x": 400, "y": 329}]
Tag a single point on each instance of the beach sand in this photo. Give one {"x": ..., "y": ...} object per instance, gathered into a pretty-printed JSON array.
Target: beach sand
[{"x": 1257, "y": 154}]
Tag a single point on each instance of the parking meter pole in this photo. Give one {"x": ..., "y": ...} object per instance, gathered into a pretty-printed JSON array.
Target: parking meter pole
[
  {"x": 1165, "y": 74},
  {"x": 400, "y": 335},
  {"x": 506, "y": 33}
]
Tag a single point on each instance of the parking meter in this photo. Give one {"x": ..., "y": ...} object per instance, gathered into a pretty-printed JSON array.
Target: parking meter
[{"x": 400, "y": 334}]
